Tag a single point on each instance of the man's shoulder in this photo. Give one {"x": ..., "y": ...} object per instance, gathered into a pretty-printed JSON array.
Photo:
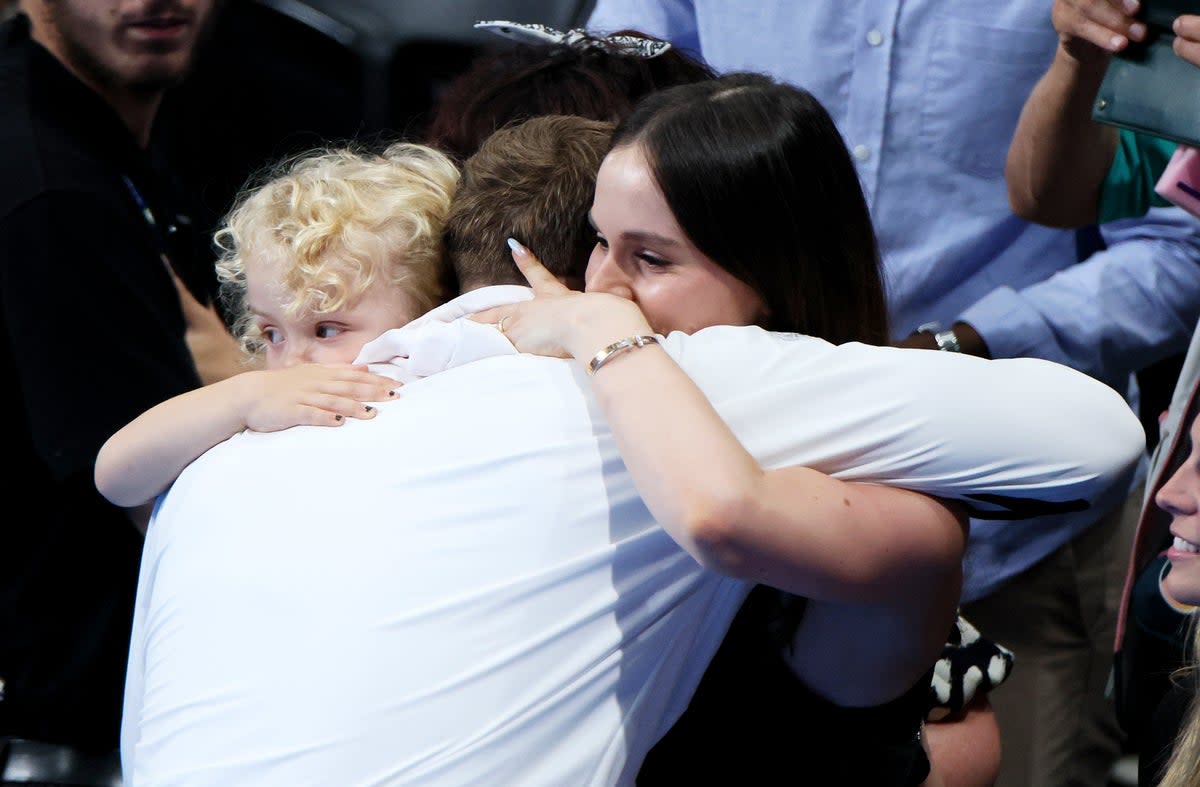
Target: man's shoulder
[
  {"x": 19, "y": 146},
  {"x": 37, "y": 155}
]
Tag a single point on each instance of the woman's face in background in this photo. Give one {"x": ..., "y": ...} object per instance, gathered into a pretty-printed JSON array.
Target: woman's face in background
[
  {"x": 642, "y": 254},
  {"x": 1180, "y": 497}
]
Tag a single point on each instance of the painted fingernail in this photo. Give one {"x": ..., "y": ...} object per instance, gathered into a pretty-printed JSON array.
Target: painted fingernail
[
  {"x": 369, "y": 408},
  {"x": 337, "y": 417},
  {"x": 1137, "y": 31},
  {"x": 392, "y": 392},
  {"x": 1116, "y": 42},
  {"x": 516, "y": 247},
  {"x": 1131, "y": 6}
]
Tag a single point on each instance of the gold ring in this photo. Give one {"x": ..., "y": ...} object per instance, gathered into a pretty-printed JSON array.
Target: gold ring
[{"x": 500, "y": 323}]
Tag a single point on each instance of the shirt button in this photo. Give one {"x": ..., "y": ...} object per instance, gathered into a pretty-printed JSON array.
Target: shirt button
[
  {"x": 861, "y": 152},
  {"x": 874, "y": 38}
]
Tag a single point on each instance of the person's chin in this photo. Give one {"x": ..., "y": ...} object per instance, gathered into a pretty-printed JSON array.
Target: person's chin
[
  {"x": 160, "y": 74},
  {"x": 1182, "y": 582}
]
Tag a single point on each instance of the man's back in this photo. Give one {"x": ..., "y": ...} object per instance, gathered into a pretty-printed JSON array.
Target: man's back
[
  {"x": 467, "y": 589},
  {"x": 483, "y": 598}
]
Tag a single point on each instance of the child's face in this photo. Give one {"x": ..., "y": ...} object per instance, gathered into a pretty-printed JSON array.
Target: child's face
[
  {"x": 329, "y": 337},
  {"x": 1180, "y": 497}
]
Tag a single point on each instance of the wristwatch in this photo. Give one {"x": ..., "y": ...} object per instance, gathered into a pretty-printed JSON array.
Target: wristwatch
[{"x": 945, "y": 338}]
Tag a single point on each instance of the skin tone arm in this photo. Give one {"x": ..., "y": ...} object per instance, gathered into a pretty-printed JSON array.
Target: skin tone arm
[
  {"x": 141, "y": 460},
  {"x": 1059, "y": 157},
  {"x": 792, "y": 528},
  {"x": 964, "y": 750}
]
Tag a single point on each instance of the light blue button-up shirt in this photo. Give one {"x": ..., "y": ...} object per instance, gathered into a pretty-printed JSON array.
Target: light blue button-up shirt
[{"x": 927, "y": 94}]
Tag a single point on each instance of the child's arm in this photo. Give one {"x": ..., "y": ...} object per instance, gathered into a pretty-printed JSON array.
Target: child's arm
[{"x": 147, "y": 454}]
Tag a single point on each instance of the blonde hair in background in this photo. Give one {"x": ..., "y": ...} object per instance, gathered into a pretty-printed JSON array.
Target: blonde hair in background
[
  {"x": 338, "y": 222},
  {"x": 1183, "y": 768}
]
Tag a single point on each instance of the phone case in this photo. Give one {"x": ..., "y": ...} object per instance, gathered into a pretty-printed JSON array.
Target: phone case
[{"x": 1148, "y": 88}]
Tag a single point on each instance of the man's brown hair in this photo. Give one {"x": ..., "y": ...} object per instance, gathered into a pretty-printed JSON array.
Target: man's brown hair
[{"x": 532, "y": 181}]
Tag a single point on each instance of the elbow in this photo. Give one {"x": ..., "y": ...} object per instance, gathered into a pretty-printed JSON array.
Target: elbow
[
  {"x": 1039, "y": 201},
  {"x": 106, "y": 480},
  {"x": 715, "y": 536},
  {"x": 107, "y": 476},
  {"x": 1047, "y": 210},
  {"x": 926, "y": 558},
  {"x": 1126, "y": 448},
  {"x": 1022, "y": 190},
  {"x": 1021, "y": 199}
]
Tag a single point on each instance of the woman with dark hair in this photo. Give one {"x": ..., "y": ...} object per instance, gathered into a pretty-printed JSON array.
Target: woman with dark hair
[
  {"x": 743, "y": 153},
  {"x": 734, "y": 202},
  {"x": 549, "y": 72}
]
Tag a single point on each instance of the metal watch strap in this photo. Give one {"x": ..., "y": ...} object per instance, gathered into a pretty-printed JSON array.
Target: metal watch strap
[{"x": 945, "y": 338}]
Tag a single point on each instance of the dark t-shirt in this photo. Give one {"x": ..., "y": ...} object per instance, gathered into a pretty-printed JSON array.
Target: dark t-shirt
[
  {"x": 752, "y": 721},
  {"x": 91, "y": 335}
]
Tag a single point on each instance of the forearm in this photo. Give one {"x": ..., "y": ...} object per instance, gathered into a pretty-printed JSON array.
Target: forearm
[
  {"x": 793, "y": 528},
  {"x": 142, "y": 459},
  {"x": 1124, "y": 308},
  {"x": 1059, "y": 157}
]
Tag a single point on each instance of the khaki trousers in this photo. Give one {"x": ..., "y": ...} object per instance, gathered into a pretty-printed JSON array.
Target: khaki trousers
[{"x": 1057, "y": 726}]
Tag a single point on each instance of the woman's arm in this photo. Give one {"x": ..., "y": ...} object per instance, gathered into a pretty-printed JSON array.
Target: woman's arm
[
  {"x": 793, "y": 528},
  {"x": 147, "y": 454}
]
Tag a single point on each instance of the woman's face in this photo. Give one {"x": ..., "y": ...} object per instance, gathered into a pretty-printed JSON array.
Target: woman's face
[
  {"x": 1180, "y": 497},
  {"x": 643, "y": 255}
]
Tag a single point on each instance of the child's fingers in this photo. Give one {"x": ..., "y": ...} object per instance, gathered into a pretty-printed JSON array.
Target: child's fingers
[{"x": 330, "y": 410}]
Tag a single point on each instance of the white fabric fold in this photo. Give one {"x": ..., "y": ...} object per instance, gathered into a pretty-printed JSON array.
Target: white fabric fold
[{"x": 443, "y": 338}]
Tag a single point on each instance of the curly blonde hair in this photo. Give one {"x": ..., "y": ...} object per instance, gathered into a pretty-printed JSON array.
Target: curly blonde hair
[{"x": 341, "y": 221}]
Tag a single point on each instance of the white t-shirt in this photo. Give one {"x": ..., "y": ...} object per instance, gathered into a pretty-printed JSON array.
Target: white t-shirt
[{"x": 468, "y": 590}]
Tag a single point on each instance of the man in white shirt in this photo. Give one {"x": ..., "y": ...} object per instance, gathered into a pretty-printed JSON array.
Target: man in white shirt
[{"x": 467, "y": 589}]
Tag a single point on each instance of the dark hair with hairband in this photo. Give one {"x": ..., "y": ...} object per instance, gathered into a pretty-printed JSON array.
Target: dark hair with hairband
[{"x": 550, "y": 72}]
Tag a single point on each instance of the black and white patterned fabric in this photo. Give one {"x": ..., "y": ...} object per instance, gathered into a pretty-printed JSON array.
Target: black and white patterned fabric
[
  {"x": 970, "y": 664},
  {"x": 531, "y": 33}
]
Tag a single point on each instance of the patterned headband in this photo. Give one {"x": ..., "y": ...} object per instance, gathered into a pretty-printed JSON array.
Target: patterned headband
[{"x": 635, "y": 46}]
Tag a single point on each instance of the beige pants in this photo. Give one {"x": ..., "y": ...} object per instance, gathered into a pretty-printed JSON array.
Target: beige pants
[{"x": 1057, "y": 727}]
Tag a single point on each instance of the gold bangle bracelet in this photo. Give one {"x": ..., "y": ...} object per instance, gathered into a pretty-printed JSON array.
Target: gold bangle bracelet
[{"x": 616, "y": 348}]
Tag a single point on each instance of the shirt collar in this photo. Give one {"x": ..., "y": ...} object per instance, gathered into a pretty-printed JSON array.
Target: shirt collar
[{"x": 443, "y": 338}]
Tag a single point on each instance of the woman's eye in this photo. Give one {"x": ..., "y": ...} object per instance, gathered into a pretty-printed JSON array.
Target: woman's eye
[
  {"x": 652, "y": 260},
  {"x": 601, "y": 241},
  {"x": 327, "y": 331},
  {"x": 270, "y": 335}
]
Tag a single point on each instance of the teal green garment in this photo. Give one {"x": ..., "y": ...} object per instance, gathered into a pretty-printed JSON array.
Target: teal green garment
[{"x": 1128, "y": 189}]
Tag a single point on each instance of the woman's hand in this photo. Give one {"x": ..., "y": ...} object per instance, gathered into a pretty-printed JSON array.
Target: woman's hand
[
  {"x": 560, "y": 322},
  {"x": 310, "y": 394}
]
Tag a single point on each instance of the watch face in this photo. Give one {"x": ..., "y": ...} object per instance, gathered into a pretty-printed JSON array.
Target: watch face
[{"x": 947, "y": 340}]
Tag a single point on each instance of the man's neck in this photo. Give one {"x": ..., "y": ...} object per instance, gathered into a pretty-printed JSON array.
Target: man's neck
[{"x": 136, "y": 109}]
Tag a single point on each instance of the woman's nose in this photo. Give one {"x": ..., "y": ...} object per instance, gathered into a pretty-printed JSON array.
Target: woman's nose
[
  {"x": 1177, "y": 496},
  {"x": 605, "y": 275}
]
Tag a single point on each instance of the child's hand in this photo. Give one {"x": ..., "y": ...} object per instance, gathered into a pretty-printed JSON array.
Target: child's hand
[{"x": 311, "y": 394}]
